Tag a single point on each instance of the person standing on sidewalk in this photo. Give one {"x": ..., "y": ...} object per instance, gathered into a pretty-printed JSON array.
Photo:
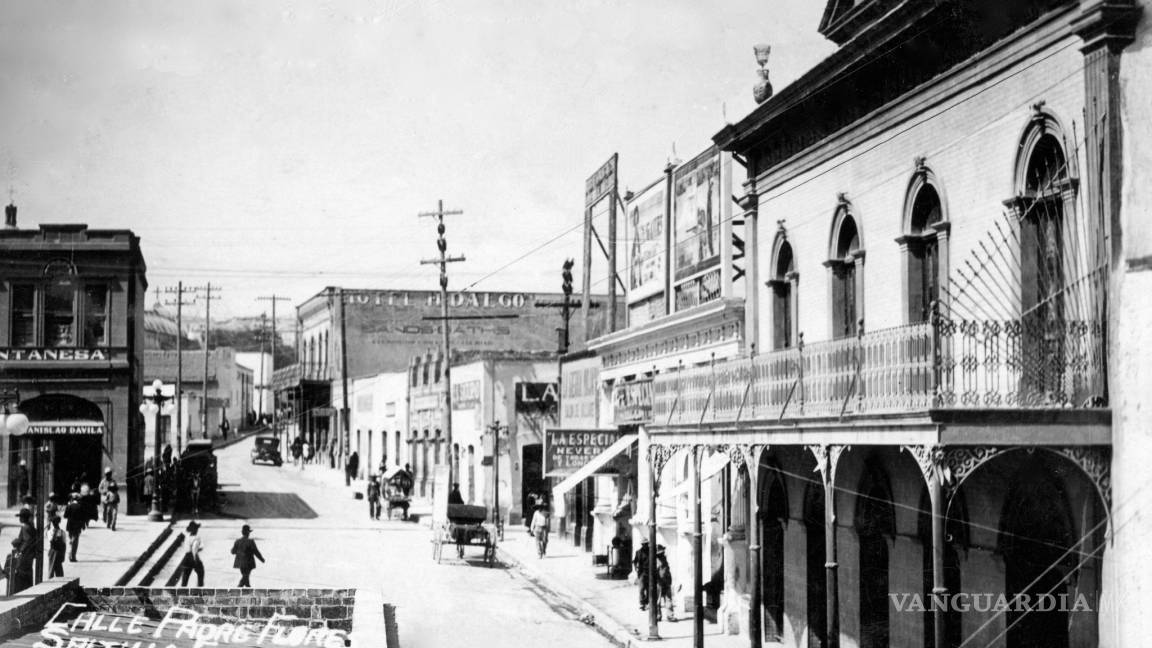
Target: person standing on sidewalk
[
  {"x": 351, "y": 467},
  {"x": 24, "y": 551},
  {"x": 76, "y": 519},
  {"x": 56, "y": 548},
  {"x": 191, "y": 561},
  {"x": 246, "y": 553},
  {"x": 109, "y": 498},
  {"x": 539, "y": 529},
  {"x": 373, "y": 497}
]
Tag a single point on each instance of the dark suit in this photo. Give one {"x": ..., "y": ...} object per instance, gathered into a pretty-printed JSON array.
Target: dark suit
[
  {"x": 246, "y": 554},
  {"x": 75, "y": 518}
]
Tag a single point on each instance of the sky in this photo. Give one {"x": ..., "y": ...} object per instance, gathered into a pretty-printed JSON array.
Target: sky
[{"x": 281, "y": 147}]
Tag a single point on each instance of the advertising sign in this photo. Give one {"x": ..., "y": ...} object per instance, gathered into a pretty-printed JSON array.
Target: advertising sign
[
  {"x": 536, "y": 398},
  {"x": 645, "y": 223},
  {"x": 632, "y": 402},
  {"x": 466, "y": 395},
  {"x": 566, "y": 451},
  {"x": 580, "y": 392},
  {"x": 696, "y": 209},
  {"x": 58, "y": 355},
  {"x": 601, "y": 183}
]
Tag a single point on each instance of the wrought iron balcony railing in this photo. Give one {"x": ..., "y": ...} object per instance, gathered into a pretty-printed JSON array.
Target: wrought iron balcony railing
[{"x": 945, "y": 364}]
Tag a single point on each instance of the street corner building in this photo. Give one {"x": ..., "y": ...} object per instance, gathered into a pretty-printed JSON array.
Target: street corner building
[
  {"x": 71, "y": 347},
  {"x": 899, "y": 359}
]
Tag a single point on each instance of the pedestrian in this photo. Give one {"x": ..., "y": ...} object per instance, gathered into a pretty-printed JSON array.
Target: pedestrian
[
  {"x": 75, "y": 522},
  {"x": 307, "y": 450},
  {"x": 56, "y": 547},
  {"x": 246, "y": 551},
  {"x": 24, "y": 551},
  {"x": 90, "y": 501},
  {"x": 109, "y": 498},
  {"x": 454, "y": 496},
  {"x": 224, "y": 427},
  {"x": 50, "y": 507},
  {"x": 540, "y": 527},
  {"x": 374, "y": 497},
  {"x": 297, "y": 450},
  {"x": 640, "y": 565},
  {"x": 191, "y": 561},
  {"x": 351, "y": 468},
  {"x": 166, "y": 456},
  {"x": 23, "y": 483},
  {"x": 149, "y": 488},
  {"x": 28, "y": 504}
]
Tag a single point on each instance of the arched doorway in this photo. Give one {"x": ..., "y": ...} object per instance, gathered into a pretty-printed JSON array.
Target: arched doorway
[
  {"x": 875, "y": 523},
  {"x": 773, "y": 518},
  {"x": 75, "y": 427},
  {"x": 816, "y": 577},
  {"x": 1036, "y": 540}
]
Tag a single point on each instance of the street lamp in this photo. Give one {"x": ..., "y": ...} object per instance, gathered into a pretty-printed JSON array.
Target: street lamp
[
  {"x": 15, "y": 424},
  {"x": 497, "y": 430},
  {"x": 155, "y": 402}
]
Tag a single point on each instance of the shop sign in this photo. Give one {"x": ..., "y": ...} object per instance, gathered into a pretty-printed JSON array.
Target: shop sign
[
  {"x": 566, "y": 451},
  {"x": 466, "y": 395},
  {"x": 580, "y": 394},
  {"x": 632, "y": 402},
  {"x": 536, "y": 397},
  {"x": 66, "y": 428},
  {"x": 55, "y": 355}
]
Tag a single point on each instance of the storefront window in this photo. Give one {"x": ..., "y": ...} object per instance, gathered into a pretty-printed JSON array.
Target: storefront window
[
  {"x": 96, "y": 315},
  {"x": 59, "y": 318},
  {"x": 23, "y": 316}
]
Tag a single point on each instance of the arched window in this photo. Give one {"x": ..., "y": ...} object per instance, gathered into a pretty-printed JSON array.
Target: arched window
[
  {"x": 846, "y": 264},
  {"x": 784, "y": 292},
  {"x": 1045, "y": 207},
  {"x": 924, "y": 245}
]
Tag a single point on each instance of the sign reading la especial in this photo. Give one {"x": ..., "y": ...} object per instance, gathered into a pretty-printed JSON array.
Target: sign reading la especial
[
  {"x": 632, "y": 401},
  {"x": 55, "y": 355},
  {"x": 566, "y": 451}
]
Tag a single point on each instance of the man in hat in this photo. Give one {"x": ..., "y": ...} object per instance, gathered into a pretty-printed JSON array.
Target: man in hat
[
  {"x": 191, "y": 562},
  {"x": 246, "y": 553},
  {"x": 76, "y": 519},
  {"x": 56, "y": 547},
  {"x": 109, "y": 498},
  {"x": 24, "y": 550}
]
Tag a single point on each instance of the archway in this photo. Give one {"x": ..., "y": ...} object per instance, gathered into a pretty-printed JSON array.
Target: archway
[
  {"x": 773, "y": 518},
  {"x": 817, "y": 577},
  {"x": 1037, "y": 541},
  {"x": 76, "y": 457},
  {"x": 875, "y": 523}
]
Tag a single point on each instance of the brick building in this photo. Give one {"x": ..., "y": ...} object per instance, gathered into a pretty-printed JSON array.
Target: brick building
[{"x": 71, "y": 346}]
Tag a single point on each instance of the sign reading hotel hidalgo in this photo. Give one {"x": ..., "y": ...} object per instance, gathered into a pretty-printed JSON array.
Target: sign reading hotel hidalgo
[{"x": 566, "y": 451}]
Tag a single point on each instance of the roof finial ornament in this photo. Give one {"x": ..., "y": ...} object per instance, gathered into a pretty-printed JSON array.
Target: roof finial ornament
[{"x": 762, "y": 91}]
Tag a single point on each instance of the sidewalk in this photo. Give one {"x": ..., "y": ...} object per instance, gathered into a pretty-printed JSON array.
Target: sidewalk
[
  {"x": 105, "y": 555},
  {"x": 610, "y": 605}
]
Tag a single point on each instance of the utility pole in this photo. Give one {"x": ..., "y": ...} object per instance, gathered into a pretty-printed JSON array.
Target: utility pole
[
  {"x": 567, "y": 306},
  {"x": 443, "y": 262},
  {"x": 179, "y": 303},
  {"x": 275, "y": 410},
  {"x": 263, "y": 378},
  {"x": 345, "y": 432},
  {"x": 207, "y": 337}
]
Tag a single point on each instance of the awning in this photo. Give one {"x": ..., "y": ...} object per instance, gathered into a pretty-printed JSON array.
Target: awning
[
  {"x": 594, "y": 464},
  {"x": 709, "y": 468},
  {"x": 66, "y": 428}
]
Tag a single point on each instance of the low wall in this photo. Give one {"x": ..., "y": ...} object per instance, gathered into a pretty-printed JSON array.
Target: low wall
[
  {"x": 331, "y": 608},
  {"x": 33, "y": 607}
]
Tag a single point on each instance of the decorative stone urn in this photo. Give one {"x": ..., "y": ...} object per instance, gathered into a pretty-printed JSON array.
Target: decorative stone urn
[{"x": 762, "y": 91}]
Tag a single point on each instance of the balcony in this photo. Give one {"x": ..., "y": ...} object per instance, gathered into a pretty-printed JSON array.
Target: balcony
[{"x": 948, "y": 364}]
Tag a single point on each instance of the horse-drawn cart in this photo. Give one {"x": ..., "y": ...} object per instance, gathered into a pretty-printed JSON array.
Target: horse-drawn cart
[
  {"x": 397, "y": 491},
  {"x": 463, "y": 525}
]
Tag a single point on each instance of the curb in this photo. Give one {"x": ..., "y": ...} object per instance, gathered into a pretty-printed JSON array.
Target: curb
[{"x": 616, "y": 632}]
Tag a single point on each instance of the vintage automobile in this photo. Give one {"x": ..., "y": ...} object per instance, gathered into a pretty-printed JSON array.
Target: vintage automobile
[
  {"x": 267, "y": 450},
  {"x": 196, "y": 476}
]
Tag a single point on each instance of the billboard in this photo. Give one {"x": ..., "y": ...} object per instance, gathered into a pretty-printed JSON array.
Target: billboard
[
  {"x": 696, "y": 213},
  {"x": 645, "y": 222},
  {"x": 386, "y": 328},
  {"x": 580, "y": 392}
]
